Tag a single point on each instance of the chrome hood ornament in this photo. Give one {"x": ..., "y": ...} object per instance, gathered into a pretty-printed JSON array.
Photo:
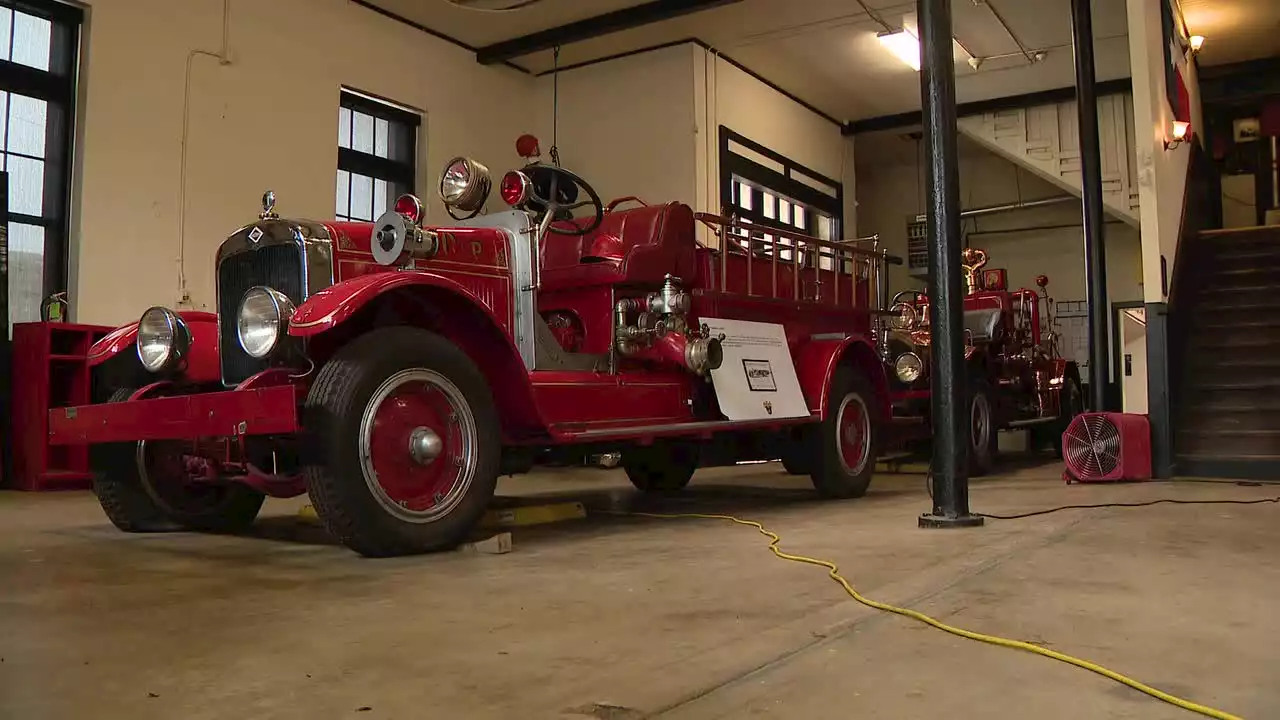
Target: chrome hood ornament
[{"x": 268, "y": 206}]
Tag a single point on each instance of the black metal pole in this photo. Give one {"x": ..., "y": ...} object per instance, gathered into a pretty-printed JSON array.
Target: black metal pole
[
  {"x": 950, "y": 393},
  {"x": 1095, "y": 253}
]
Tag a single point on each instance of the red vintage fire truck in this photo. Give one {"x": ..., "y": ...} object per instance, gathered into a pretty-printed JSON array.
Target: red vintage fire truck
[
  {"x": 393, "y": 371},
  {"x": 1016, "y": 375}
]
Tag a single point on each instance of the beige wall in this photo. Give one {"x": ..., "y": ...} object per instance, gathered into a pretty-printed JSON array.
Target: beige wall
[
  {"x": 626, "y": 126},
  {"x": 1162, "y": 174},
  {"x": 268, "y": 120},
  {"x": 643, "y": 125},
  {"x": 648, "y": 125},
  {"x": 730, "y": 97}
]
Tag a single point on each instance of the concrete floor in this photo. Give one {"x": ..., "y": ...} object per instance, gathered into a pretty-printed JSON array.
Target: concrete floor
[{"x": 621, "y": 618}]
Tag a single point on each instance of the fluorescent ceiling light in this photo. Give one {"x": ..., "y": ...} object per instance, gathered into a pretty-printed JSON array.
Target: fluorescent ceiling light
[{"x": 903, "y": 45}]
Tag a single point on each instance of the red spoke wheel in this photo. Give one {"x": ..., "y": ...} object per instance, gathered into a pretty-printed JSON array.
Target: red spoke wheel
[
  {"x": 418, "y": 445},
  {"x": 159, "y": 486},
  {"x": 402, "y": 443},
  {"x": 854, "y": 427},
  {"x": 845, "y": 445}
]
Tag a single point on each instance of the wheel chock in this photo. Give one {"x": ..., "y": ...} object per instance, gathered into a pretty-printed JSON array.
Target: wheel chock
[
  {"x": 499, "y": 544},
  {"x": 533, "y": 515},
  {"x": 502, "y": 517}
]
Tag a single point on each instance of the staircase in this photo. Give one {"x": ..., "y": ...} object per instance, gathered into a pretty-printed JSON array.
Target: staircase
[
  {"x": 1045, "y": 141},
  {"x": 1227, "y": 403}
]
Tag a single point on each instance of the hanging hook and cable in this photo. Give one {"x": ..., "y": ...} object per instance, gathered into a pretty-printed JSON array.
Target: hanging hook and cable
[
  {"x": 223, "y": 56},
  {"x": 555, "y": 106}
]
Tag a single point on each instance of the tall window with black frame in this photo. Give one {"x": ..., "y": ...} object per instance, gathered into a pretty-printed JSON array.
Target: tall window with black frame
[
  {"x": 39, "y": 44},
  {"x": 763, "y": 188},
  {"x": 377, "y": 152}
]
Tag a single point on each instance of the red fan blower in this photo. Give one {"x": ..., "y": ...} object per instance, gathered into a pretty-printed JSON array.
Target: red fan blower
[{"x": 1107, "y": 447}]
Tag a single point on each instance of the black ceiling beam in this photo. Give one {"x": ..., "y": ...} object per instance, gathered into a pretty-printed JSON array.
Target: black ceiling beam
[
  {"x": 1244, "y": 82},
  {"x": 592, "y": 27},
  {"x": 1012, "y": 102}
]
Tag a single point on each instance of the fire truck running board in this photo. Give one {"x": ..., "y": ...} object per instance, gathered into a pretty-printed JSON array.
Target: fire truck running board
[{"x": 648, "y": 432}]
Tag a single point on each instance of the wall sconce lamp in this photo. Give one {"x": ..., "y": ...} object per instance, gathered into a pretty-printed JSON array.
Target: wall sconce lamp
[
  {"x": 1197, "y": 42},
  {"x": 1181, "y": 131}
]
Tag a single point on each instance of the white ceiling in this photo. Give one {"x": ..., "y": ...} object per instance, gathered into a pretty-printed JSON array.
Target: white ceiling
[
  {"x": 1234, "y": 30},
  {"x": 826, "y": 52}
]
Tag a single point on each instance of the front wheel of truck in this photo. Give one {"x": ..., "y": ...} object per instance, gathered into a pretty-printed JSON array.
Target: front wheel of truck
[
  {"x": 402, "y": 443},
  {"x": 150, "y": 487}
]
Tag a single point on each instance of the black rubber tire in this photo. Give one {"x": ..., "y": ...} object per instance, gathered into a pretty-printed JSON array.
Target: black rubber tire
[
  {"x": 664, "y": 467},
  {"x": 794, "y": 460},
  {"x": 828, "y": 473},
  {"x": 131, "y": 507},
  {"x": 118, "y": 485},
  {"x": 982, "y": 460},
  {"x": 331, "y": 422}
]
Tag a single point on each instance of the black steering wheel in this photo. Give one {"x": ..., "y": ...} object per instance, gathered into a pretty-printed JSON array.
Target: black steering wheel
[
  {"x": 914, "y": 295},
  {"x": 561, "y": 191},
  {"x": 906, "y": 305}
]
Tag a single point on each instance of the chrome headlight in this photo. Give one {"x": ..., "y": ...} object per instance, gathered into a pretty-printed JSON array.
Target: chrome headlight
[
  {"x": 465, "y": 184},
  {"x": 163, "y": 339},
  {"x": 908, "y": 367},
  {"x": 263, "y": 318}
]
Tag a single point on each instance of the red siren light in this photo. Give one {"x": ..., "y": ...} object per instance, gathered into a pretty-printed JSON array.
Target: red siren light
[
  {"x": 1042, "y": 280},
  {"x": 527, "y": 146},
  {"x": 515, "y": 188},
  {"x": 410, "y": 206}
]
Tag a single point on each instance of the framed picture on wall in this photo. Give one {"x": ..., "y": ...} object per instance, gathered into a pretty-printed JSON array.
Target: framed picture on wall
[{"x": 1246, "y": 129}]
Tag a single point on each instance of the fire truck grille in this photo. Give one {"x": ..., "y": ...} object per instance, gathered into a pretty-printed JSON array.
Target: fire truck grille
[{"x": 275, "y": 266}]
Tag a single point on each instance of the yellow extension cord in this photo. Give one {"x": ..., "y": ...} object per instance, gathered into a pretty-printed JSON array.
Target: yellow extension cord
[{"x": 834, "y": 573}]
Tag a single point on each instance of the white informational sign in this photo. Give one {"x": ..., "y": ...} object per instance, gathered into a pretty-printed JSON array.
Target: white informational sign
[{"x": 757, "y": 379}]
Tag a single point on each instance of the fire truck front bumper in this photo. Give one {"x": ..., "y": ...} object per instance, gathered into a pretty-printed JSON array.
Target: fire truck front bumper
[{"x": 258, "y": 411}]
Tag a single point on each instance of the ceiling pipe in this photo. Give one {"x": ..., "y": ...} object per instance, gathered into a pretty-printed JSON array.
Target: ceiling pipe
[{"x": 1007, "y": 207}]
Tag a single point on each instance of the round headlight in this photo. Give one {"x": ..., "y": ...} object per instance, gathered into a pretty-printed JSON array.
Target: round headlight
[
  {"x": 465, "y": 184},
  {"x": 163, "y": 339},
  {"x": 908, "y": 367},
  {"x": 264, "y": 316}
]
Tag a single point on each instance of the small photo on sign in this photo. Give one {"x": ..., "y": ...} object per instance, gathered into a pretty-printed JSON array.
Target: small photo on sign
[{"x": 759, "y": 376}]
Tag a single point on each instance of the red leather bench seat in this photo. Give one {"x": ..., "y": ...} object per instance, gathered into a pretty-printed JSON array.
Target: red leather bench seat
[{"x": 636, "y": 246}]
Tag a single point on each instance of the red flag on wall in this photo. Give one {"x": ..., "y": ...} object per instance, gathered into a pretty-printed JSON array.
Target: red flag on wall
[{"x": 1175, "y": 62}]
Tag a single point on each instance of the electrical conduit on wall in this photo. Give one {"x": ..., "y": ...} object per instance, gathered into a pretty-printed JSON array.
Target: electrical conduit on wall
[{"x": 223, "y": 56}]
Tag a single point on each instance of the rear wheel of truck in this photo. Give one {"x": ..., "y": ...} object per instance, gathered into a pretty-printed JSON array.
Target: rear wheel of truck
[
  {"x": 664, "y": 467},
  {"x": 983, "y": 438},
  {"x": 844, "y": 446},
  {"x": 402, "y": 443},
  {"x": 148, "y": 486}
]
